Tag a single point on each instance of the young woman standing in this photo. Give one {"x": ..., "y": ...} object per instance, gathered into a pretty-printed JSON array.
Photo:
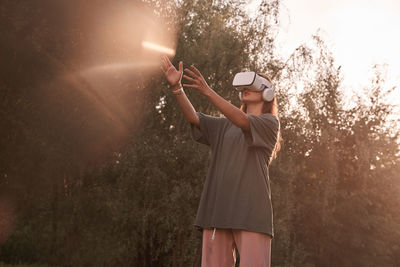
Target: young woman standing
[{"x": 235, "y": 208}]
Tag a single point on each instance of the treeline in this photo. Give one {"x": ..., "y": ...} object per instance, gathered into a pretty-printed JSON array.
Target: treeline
[{"x": 94, "y": 178}]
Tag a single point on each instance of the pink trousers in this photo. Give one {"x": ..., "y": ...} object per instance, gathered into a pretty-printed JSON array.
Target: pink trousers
[{"x": 219, "y": 246}]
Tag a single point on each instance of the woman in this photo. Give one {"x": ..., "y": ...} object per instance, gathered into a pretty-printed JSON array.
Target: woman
[{"x": 235, "y": 208}]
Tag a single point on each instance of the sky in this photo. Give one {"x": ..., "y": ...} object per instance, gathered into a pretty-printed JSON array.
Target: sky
[{"x": 359, "y": 33}]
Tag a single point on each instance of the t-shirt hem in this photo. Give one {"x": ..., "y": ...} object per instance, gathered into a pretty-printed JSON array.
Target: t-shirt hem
[{"x": 238, "y": 227}]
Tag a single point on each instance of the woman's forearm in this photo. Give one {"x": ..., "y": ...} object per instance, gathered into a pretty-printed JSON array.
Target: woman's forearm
[
  {"x": 186, "y": 106},
  {"x": 235, "y": 115}
]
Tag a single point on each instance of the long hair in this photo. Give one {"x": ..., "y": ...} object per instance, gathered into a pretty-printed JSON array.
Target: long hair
[{"x": 269, "y": 107}]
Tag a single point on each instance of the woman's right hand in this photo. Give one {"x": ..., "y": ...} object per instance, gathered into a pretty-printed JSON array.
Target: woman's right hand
[{"x": 172, "y": 75}]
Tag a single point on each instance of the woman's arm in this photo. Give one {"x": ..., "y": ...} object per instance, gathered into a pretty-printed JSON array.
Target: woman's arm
[
  {"x": 186, "y": 106},
  {"x": 174, "y": 77},
  {"x": 235, "y": 115}
]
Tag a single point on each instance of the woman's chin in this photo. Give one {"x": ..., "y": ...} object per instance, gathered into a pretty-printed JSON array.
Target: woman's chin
[{"x": 251, "y": 101}]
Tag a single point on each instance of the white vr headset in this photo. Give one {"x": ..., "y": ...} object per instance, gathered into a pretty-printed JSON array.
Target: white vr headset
[{"x": 253, "y": 82}]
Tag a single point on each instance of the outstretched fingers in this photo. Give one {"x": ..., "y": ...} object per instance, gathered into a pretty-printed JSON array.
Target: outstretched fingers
[
  {"x": 167, "y": 61},
  {"x": 196, "y": 70},
  {"x": 191, "y": 73},
  {"x": 180, "y": 66},
  {"x": 164, "y": 64},
  {"x": 189, "y": 78}
]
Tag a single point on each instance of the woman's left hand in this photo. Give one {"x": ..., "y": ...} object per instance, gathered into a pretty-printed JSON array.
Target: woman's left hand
[{"x": 198, "y": 81}]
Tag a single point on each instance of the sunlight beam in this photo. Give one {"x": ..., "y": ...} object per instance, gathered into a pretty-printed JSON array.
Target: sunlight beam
[{"x": 158, "y": 48}]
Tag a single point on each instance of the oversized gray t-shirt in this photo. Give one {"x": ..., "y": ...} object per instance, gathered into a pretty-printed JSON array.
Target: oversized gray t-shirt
[{"x": 236, "y": 192}]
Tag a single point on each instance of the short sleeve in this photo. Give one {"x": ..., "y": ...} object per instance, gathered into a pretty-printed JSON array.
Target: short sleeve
[
  {"x": 210, "y": 131},
  {"x": 263, "y": 130}
]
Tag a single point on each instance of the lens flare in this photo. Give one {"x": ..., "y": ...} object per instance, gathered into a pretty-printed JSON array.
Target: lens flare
[
  {"x": 158, "y": 48},
  {"x": 120, "y": 66}
]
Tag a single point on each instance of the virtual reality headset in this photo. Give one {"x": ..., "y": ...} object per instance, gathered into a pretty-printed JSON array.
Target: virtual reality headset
[{"x": 253, "y": 82}]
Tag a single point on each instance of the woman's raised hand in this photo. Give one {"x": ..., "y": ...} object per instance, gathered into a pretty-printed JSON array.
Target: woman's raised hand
[
  {"x": 198, "y": 81},
  {"x": 172, "y": 75}
]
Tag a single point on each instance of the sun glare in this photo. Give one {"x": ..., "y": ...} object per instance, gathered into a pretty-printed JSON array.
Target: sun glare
[
  {"x": 360, "y": 34},
  {"x": 158, "y": 48},
  {"x": 365, "y": 35}
]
